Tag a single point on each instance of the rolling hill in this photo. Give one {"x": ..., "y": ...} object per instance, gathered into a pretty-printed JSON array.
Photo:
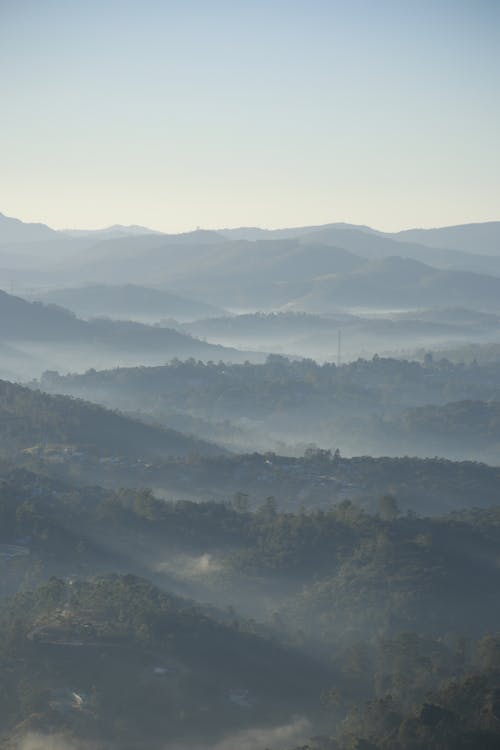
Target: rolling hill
[
  {"x": 316, "y": 336},
  {"x": 401, "y": 283},
  {"x": 129, "y": 302},
  {"x": 148, "y": 669},
  {"x": 29, "y": 418},
  {"x": 250, "y": 269},
  {"x": 481, "y": 238},
  {"x": 56, "y": 338},
  {"x": 265, "y": 273},
  {"x": 14, "y": 230}
]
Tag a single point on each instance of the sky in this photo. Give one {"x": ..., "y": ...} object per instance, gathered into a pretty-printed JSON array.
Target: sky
[{"x": 218, "y": 114}]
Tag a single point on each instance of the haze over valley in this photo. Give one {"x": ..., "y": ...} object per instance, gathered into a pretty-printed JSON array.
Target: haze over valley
[
  {"x": 233, "y": 457},
  {"x": 250, "y": 375},
  {"x": 290, "y": 292}
]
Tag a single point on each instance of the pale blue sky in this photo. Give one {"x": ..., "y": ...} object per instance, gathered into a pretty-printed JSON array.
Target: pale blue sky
[{"x": 177, "y": 114}]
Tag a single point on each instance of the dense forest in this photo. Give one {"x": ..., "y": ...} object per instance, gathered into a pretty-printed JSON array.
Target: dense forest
[
  {"x": 382, "y": 406},
  {"x": 322, "y": 614},
  {"x": 239, "y": 549},
  {"x": 34, "y": 420},
  {"x": 188, "y": 556},
  {"x": 36, "y": 336}
]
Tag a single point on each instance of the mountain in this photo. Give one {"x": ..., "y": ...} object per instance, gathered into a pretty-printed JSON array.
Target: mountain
[
  {"x": 247, "y": 268},
  {"x": 241, "y": 269},
  {"x": 130, "y": 302},
  {"x": 151, "y": 259},
  {"x": 208, "y": 267},
  {"x": 262, "y": 273},
  {"x": 132, "y": 246},
  {"x": 418, "y": 244},
  {"x": 280, "y": 261},
  {"x": 250, "y": 274},
  {"x": 14, "y": 230},
  {"x": 117, "y": 230},
  {"x": 31, "y": 418},
  {"x": 316, "y": 336},
  {"x": 33, "y": 321},
  {"x": 256, "y": 233},
  {"x": 59, "y": 340},
  {"x": 480, "y": 238},
  {"x": 364, "y": 407},
  {"x": 132, "y": 666},
  {"x": 58, "y": 259},
  {"x": 401, "y": 283},
  {"x": 460, "y": 421},
  {"x": 372, "y": 245},
  {"x": 93, "y": 649}
]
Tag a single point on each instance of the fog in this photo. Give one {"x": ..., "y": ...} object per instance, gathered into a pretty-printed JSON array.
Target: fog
[
  {"x": 277, "y": 738},
  {"x": 51, "y": 742},
  {"x": 41, "y": 742},
  {"x": 249, "y": 491},
  {"x": 249, "y": 376},
  {"x": 377, "y": 406}
]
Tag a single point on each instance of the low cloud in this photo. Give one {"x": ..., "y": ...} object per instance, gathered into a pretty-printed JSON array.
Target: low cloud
[
  {"x": 282, "y": 737},
  {"x": 188, "y": 566},
  {"x": 34, "y": 741}
]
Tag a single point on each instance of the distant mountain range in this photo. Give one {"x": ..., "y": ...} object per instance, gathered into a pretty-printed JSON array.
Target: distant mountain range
[
  {"x": 116, "y": 230},
  {"x": 128, "y": 301},
  {"x": 35, "y": 337},
  {"x": 14, "y": 230},
  {"x": 478, "y": 238},
  {"x": 291, "y": 274},
  {"x": 481, "y": 238},
  {"x": 316, "y": 336},
  {"x": 400, "y": 283},
  {"x": 316, "y": 269},
  {"x": 34, "y": 321}
]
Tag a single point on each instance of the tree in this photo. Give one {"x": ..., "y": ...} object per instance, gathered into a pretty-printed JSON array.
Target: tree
[
  {"x": 388, "y": 508},
  {"x": 269, "y": 507},
  {"x": 240, "y": 502}
]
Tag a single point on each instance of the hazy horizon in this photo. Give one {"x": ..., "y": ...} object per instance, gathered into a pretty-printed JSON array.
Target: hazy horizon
[
  {"x": 269, "y": 227},
  {"x": 249, "y": 475},
  {"x": 250, "y": 115}
]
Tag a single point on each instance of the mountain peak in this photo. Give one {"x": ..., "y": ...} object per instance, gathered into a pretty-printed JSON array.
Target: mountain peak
[{"x": 15, "y": 230}]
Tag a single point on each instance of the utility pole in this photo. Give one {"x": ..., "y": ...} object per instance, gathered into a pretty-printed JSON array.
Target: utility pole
[{"x": 339, "y": 344}]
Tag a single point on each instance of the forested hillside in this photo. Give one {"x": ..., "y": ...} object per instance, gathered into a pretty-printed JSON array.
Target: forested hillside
[
  {"x": 34, "y": 420},
  {"x": 42, "y": 336},
  {"x": 129, "y": 302},
  {"x": 382, "y": 406},
  {"x": 340, "y": 598},
  {"x": 250, "y": 375}
]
